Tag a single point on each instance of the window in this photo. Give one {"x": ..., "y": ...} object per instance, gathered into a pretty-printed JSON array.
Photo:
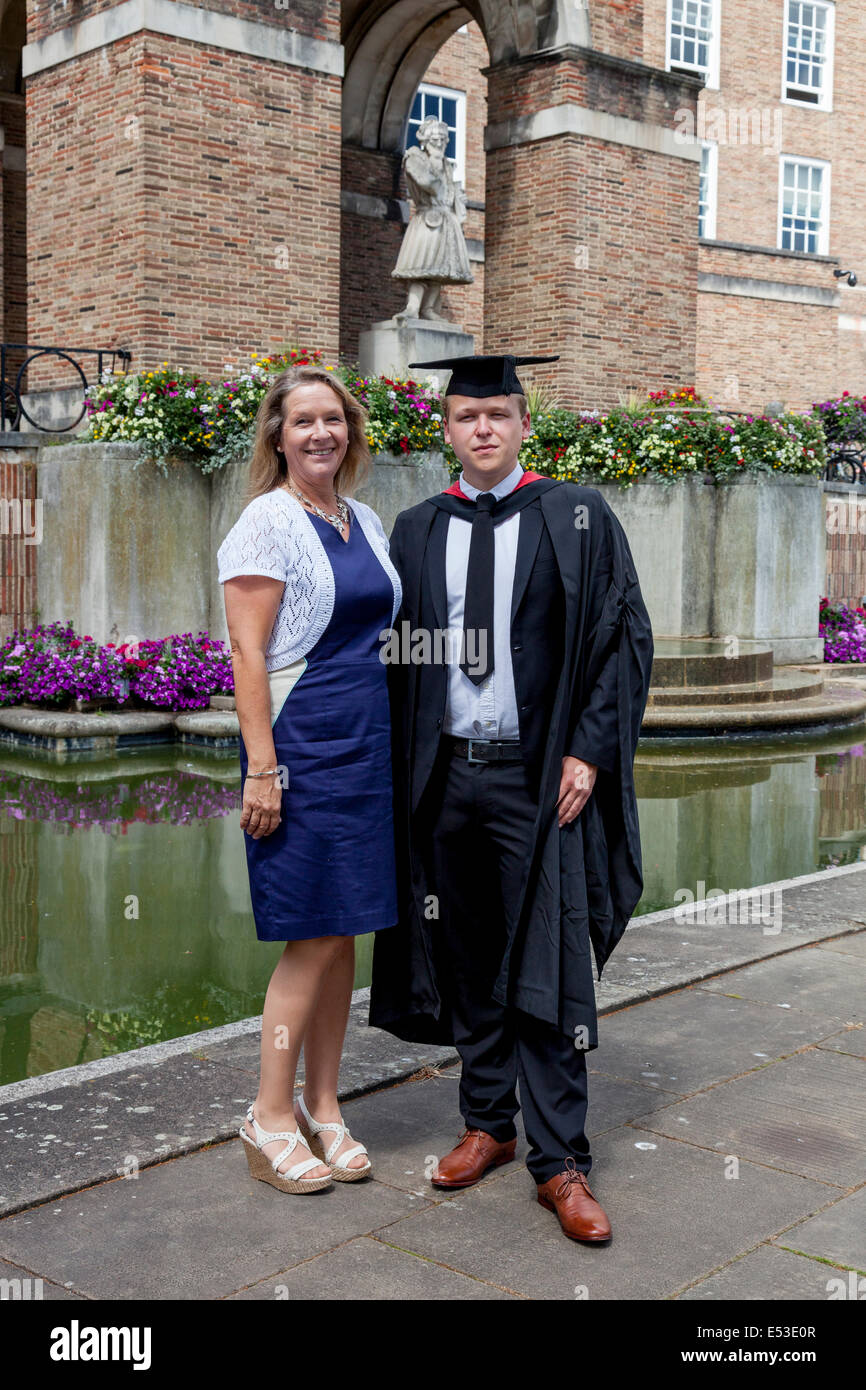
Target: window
[
  {"x": 804, "y": 205},
  {"x": 446, "y": 106},
  {"x": 708, "y": 184},
  {"x": 807, "y": 69},
  {"x": 693, "y": 38}
]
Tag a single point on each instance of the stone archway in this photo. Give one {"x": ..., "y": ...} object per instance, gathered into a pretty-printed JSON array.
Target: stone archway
[
  {"x": 389, "y": 45},
  {"x": 590, "y": 245}
]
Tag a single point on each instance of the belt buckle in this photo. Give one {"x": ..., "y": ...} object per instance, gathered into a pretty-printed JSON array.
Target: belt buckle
[{"x": 469, "y": 757}]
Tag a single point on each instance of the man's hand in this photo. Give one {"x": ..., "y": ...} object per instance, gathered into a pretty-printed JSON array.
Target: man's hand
[{"x": 575, "y": 788}]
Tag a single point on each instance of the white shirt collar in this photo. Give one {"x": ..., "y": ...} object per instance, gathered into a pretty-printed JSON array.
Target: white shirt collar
[{"x": 502, "y": 489}]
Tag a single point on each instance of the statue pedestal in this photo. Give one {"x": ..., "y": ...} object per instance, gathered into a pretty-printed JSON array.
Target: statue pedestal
[{"x": 388, "y": 347}]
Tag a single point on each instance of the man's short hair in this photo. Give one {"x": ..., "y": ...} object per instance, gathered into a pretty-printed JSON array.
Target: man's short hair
[{"x": 522, "y": 405}]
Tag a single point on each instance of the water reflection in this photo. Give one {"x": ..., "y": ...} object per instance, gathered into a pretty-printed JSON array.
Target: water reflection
[{"x": 124, "y": 906}]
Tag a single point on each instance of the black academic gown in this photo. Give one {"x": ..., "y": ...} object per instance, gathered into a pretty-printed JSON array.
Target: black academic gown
[{"x": 585, "y": 879}]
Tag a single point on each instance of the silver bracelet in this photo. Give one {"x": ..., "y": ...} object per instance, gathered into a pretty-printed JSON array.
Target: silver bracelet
[{"x": 271, "y": 772}]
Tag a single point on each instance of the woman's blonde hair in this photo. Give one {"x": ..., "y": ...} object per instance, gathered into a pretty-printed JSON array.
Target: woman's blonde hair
[{"x": 268, "y": 468}]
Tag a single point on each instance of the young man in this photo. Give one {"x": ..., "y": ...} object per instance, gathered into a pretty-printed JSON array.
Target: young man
[{"x": 516, "y": 817}]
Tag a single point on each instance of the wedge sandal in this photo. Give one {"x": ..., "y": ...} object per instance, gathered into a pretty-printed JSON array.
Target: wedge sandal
[
  {"x": 266, "y": 1169},
  {"x": 340, "y": 1170}
]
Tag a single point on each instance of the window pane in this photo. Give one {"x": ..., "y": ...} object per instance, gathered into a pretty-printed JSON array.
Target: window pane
[{"x": 691, "y": 32}]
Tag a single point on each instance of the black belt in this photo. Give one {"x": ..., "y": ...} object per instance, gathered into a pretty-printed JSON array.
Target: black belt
[{"x": 479, "y": 750}]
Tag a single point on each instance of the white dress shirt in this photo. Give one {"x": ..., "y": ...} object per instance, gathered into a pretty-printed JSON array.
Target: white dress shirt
[{"x": 488, "y": 710}]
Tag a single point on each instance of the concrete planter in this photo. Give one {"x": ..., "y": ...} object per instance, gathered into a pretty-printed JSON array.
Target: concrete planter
[
  {"x": 744, "y": 559},
  {"x": 128, "y": 551}
]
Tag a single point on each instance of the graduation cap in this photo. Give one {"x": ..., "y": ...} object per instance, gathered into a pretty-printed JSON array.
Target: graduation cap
[{"x": 484, "y": 376}]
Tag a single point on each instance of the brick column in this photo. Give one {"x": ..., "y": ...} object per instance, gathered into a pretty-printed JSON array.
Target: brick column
[
  {"x": 592, "y": 222},
  {"x": 20, "y": 537},
  {"x": 184, "y": 191}
]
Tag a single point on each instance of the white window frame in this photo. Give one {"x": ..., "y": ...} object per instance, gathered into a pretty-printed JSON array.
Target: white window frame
[
  {"x": 460, "y": 136},
  {"x": 709, "y": 232},
  {"x": 712, "y": 71},
  {"x": 825, "y": 100},
  {"x": 824, "y": 235}
]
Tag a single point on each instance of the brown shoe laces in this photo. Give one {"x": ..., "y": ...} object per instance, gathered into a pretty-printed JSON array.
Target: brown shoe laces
[
  {"x": 467, "y": 1134},
  {"x": 571, "y": 1174}
]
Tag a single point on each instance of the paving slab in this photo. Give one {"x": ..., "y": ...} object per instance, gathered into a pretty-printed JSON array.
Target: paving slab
[
  {"x": 193, "y": 1228},
  {"x": 63, "y": 1139},
  {"x": 850, "y": 1040},
  {"x": 767, "y": 1274},
  {"x": 827, "y": 985},
  {"x": 837, "y": 898},
  {"x": 673, "y": 1213},
  {"x": 697, "y": 1037},
  {"x": 847, "y": 945},
  {"x": 804, "y": 1114},
  {"x": 366, "y": 1269},
  {"x": 660, "y": 951},
  {"x": 838, "y": 1233},
  {"x": 408, "y": 1128},
  {"x": 371, "y": 1057},
  {"x": 21, "y": 1285},
  {"x": 407, "y": 1139}
]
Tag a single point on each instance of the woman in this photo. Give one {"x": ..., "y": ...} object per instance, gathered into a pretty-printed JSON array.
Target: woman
[
  {"x": 308, "y": 589},
  {"x": 433, "y": 252}
]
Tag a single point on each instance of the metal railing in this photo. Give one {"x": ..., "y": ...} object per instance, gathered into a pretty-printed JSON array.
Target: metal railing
[{"x": 12, "y": 408}]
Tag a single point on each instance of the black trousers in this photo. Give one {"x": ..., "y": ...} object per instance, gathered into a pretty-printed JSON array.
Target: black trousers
[{"x": 476, "y": 825}]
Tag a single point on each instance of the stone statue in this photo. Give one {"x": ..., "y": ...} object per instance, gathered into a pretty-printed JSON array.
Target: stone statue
[{"x": 433, "y": 252}]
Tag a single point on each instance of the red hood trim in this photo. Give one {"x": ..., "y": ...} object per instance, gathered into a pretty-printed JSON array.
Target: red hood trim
[{"x": 455, "y": 490}]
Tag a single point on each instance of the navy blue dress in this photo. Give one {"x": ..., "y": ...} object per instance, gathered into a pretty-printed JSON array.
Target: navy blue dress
[{"x": 328, "y": 869}]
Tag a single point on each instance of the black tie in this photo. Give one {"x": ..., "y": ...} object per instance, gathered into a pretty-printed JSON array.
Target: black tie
[{"x": 477, "y": 660}]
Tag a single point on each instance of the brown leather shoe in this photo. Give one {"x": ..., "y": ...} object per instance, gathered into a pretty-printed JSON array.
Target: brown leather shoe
[
  {"x": 470, "y": 1159},
  {"x": 580, "y": 1215}
]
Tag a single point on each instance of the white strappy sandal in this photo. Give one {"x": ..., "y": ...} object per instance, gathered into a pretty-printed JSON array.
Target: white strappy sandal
[
  {"x": 340, "y": 1170},
  {"x": 266, "y": 1169}
]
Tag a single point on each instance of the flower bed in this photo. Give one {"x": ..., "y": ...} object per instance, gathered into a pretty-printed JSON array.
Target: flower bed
[
  {"x": 668, "y": 435},
  {"x": 208, "y": 424},
  {"x": 671, "y": 436},
  {"x": 844, "y": 632},
  {"x": 843, "y": 419},
  {"x": 52, "y": 667}
]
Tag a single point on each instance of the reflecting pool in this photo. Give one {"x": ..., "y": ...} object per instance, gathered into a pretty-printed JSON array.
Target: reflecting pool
[{"x": 124, "y": 904}]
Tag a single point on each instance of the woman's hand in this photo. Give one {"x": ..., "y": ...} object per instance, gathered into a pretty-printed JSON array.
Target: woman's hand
[
  {"x": 260, "y": 814},
  {"x": 575, "y": 788}
]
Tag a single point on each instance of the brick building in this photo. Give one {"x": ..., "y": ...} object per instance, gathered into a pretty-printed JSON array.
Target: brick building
[{"x": 660, "y": 190}]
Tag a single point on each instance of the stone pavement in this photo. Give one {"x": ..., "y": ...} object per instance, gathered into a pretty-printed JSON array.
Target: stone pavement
[{"x": 727, "y": 1120}]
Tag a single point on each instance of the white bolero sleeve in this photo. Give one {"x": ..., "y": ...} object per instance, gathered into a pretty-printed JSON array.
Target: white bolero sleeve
[{"x": 256, "y": 544}]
